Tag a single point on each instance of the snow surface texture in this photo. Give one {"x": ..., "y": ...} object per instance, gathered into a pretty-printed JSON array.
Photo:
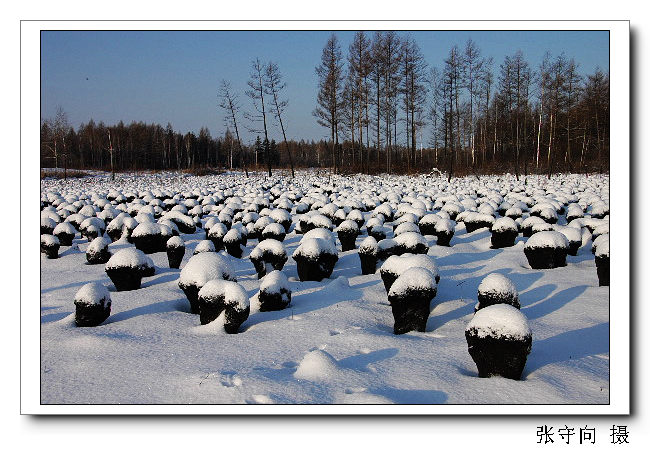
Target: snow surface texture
[{"x": 151, "y": 349}]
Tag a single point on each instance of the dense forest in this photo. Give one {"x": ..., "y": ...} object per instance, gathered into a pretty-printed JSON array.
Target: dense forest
[{"x": 385, "y": 110}]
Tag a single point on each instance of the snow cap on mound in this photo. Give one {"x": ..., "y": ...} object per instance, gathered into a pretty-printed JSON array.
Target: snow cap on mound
[
  {"x": 204, "y": 246},
  {"x": 93, "y": 294},
  {"x": 204, "y": 267},
  {"x": 547, "y": 239},
  {"x": 49, "y": 240},
  {"x": 430, "y": 219},
  {"x": 414, "y": 278},
  {"x": 232, "y": 236},
  {"x": 406, "y": 227},
  {"x": 445, "y": 225},
  {"x": 272, "y": 246},
  {"x": 127, "y": 257},
  {"x": 274, "y": 282},
  {"x": 97, "y": 245},
  {"x": 234, "y": 295},
  {"x": 602, "y": 249},
  {"x": 147, "y": 228},
  {"x": 218, "y": 230},
  {"x": 319, "y": 233},
  {"x": 175, "y": 242},
  {"x": 47, "y": 219},
  {"x": 598, "y": 241},
  {"x": 316, "y": 365},
  {"x": 410, "y": 239},
  {"x": 273, "y": 229},
  {"x": 572, "y": 234},
  {"x": 504, "y": 224},
  {"x": 528, "y": 222},
  {"x": 499, "y": 321},
  {"x": 314, "y": 248},
  {"x": 321, "y": 221},
  {"x": 369, "y": 246},
  {"x": 64, "y": 228},
  {"x": 397, "y": 265},
  {"x": 348, "y": 226},
  {"x": 496, "y": 284}
]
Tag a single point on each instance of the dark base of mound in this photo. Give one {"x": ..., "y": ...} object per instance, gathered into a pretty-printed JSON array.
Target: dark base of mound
[
  {"x": 217, "y": 242},
  {"x": 175, "y": 257},
  {"x": 234, "y": 249},
  {"x": 125, "y": 278},
  {"x": 149, "y": 243},
  {"x": 419, "y": 248},
  {"x": 51, "y": 252},
  {"x": 99, "y": 257},
  {"x": 471, "y": 226},
  {"x": 234, "y": 319},
  {"x": 602, "y": 268},
  {"x": 278, "y": 237},
  {"x": 443, "y": 238},
  {"x": 274, "y": 261},
  {"x": 503, "y": 239},
  {"x": 411, "y": 311},
  {"x": 378, "y": 235},
  {"x": 210, "y": 309},
  {"x": 65, "y": 239},
  {"x": 347, "y": 241},
  {"x": 316, "y": 269},
  {"x": 427, "y": 229},
  {"x": 546, "y": 258},
  {"x": 91, "y": 316},
  {"x": 368, "y": 263},
  {"x": 573, "y": 248},
  {"x": 505, "y": 357},
  {"x": 192, "y": 293},
  {"x": 275, "y": 301},
  {"x": 485, "y": 300}
]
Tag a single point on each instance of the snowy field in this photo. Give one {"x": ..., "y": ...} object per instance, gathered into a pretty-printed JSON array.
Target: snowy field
[{"x": 334, "y": 343}]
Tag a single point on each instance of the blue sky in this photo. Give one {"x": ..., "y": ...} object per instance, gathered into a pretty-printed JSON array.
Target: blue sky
[{"x": 174, "y": 76}]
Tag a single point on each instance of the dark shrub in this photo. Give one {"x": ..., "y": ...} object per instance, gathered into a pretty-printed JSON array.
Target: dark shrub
[
  {"x": 499, "y": 341},
  {"x": 148, "y": 238},
  {"x": 268, "y": 255},
  {"x": 546, "y": 250},
  {"x": 218, "y": 296},
  {"x": 368, "y": 256},
  {"x": 347, "y": 232},
  {"x": 175, "y": 251},
  {"x": 97, "y": 251},
  {"x": 50, "y": 246},
  {"x": 65, "y": 233},
  {"x": 494, "y": 289},
  {"x": 504, "y": 233},
  {"x": 602, "y": 263},
  {"x": 315, "y": 259},
  {"x": 199, "y": 270},
  {"x": 275, "y": 292},
  {"x": 410, "y": 297},
  {"x": 126, "y": 268},
  {"x": 93, "y": 305}
]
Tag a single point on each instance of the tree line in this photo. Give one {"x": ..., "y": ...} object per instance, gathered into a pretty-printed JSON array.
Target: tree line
[{"x": 385, "y": 110}]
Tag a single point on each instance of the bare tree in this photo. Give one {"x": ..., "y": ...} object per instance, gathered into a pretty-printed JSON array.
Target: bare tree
[
  {"x": 256, "y": 93},
  {"x": 359, "y": 71},
  {"x": 274, "y": 85},
  {"x": 330, "y": 96},
  {"x": 473, "y": 66},
  {"x": 230, "y": 104},
  {"x": 414, "y": 90}
]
